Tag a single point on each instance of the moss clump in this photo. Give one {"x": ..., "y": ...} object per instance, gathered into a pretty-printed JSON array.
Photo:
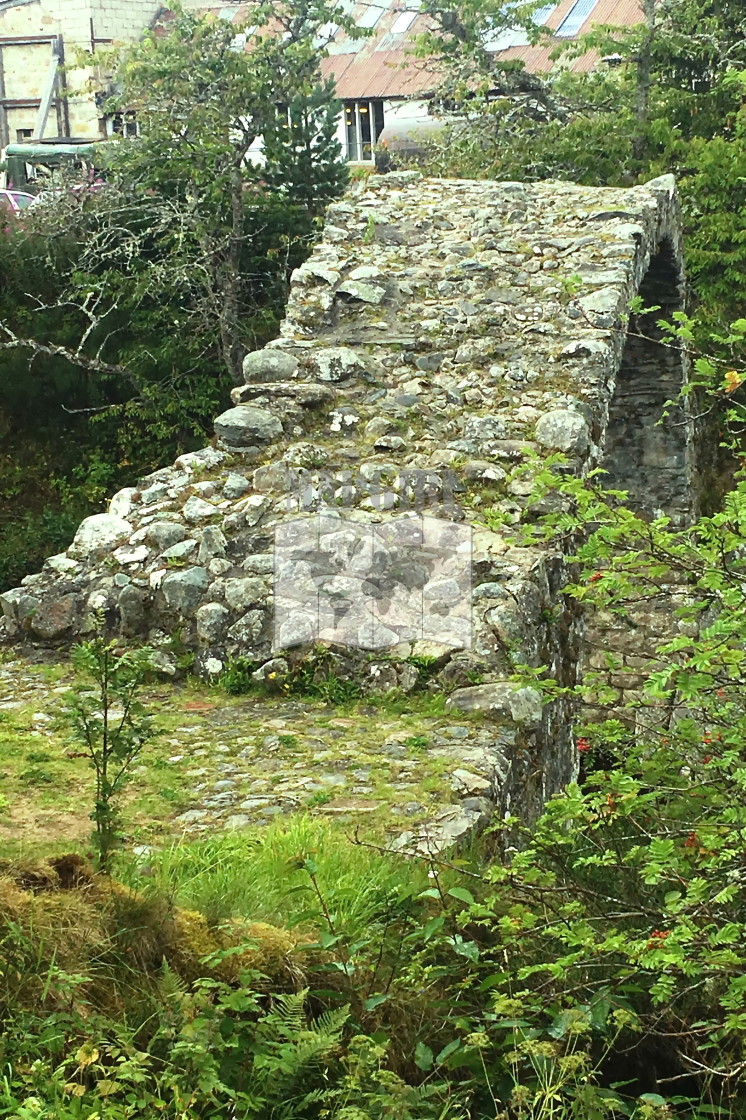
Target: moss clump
[
  {"x": 60, "y": 917},
  {"x": 266, "y": 948},
  {"x": 190, "y": 940}
]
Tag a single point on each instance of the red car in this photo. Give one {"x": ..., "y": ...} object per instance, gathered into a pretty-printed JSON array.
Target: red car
[{"x": 13, "y": 202}]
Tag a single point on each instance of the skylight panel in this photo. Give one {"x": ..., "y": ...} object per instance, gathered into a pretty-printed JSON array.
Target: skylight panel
[
  {"x": 575, "y": 18},
  {"x": 542, "y": 14},
  {"x": 499, "y": 40},
  {"x": 370, "y": 16},
  {"x": 325, "y": 34},
  {"x": 516, "y": 36},
  {"x": 405, "y": 19}
]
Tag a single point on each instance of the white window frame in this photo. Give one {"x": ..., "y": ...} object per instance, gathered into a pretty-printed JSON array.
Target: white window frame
[{"x": 356, "y": 106}]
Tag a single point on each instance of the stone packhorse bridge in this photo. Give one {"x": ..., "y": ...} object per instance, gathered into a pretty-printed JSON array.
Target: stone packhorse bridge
[{"x": 440, "y": 333}]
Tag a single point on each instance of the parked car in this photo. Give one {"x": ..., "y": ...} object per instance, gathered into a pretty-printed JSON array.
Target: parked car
[{"x": 13, "y": 202}]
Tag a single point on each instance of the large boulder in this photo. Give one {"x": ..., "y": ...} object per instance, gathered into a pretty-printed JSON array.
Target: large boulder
[
  {"x": 500, "y": 700},
  {"x": 263, "y": 366},
  {"x": 563, "y": 430},
  {"x": 336, "y": 363},
  {"x": 244, "y": 426},
  {"x": 53, "y": 618},
  {"x": 183, "y": 591},
  {"x": 163, "y": 534},
  {"x": 99, "y": 534}
]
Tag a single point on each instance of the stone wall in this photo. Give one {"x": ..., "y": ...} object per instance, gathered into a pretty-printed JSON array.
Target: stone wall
[
  {"x": 434, "y": 340},
  {"x": 650, "y": 453}
]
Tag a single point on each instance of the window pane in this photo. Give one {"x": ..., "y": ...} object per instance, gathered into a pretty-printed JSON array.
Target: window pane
[
  {"x": 366, "y": 125},
  {"x": 351, "y": 132},
  {"x": 543, "y": 14},
  {"x": 378, "y": 118}
]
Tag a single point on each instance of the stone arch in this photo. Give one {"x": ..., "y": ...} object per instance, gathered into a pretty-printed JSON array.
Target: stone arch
[{"x": 648, "y": 444}]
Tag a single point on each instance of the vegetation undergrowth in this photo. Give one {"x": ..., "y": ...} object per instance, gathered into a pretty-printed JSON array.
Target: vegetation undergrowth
[{"x": 595, "y": 970}]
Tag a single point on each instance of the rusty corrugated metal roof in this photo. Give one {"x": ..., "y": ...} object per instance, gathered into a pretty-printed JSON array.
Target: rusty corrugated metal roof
[
  {"x": 537, "y": 59},
  {"x": 382, "y": 66}
]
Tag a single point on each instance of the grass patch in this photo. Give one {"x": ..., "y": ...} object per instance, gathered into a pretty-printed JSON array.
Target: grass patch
[
  {"x": 259, "y": 875},
  {"x": 280, "y": 748}
]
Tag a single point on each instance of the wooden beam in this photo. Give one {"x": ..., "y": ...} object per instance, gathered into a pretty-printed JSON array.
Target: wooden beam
[{"x": 47, "y": 95}]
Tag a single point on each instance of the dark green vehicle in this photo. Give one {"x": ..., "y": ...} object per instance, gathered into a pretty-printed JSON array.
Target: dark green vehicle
[{"x": 28, "y": 167}]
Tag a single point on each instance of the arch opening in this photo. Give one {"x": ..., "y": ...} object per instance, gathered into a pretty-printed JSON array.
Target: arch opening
[{"x": 644, "y": 454}]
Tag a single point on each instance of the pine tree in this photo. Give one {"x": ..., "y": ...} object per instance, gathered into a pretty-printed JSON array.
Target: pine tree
[{"x": 303, "y": 156}]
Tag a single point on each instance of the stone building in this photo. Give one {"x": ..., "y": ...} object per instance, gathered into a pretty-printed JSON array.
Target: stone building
[
  {"x": 381, "y": 85},
  {"x": 39, "y": 96}
]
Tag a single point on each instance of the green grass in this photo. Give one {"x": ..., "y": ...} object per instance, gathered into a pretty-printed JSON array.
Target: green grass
[
  {"x": 425, "y": 704},
  {"x": 257, "y": 876}
]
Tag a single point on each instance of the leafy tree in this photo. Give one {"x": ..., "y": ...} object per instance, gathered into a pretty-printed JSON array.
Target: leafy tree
[
  {"x": 302, "y": 154},
  {"x": 206, "y": 93},
  {"x": 626, "y": 902},
  {"x": 110, "y": 726},
  {"x": 460, "y": 43}
]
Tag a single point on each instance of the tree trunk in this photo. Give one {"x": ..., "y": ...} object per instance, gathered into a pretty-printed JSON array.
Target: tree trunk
[
  {"x": 230, "y": 286},
  {"x": 644, "y": 82}
]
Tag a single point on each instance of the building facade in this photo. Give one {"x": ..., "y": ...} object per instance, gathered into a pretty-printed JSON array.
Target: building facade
[
  {"x": 385, "y": 89},
  {"x": 43, "y": 94}
]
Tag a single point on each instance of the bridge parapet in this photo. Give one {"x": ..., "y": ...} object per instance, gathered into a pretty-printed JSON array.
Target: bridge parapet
[{"x": 441, "y": 333}]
